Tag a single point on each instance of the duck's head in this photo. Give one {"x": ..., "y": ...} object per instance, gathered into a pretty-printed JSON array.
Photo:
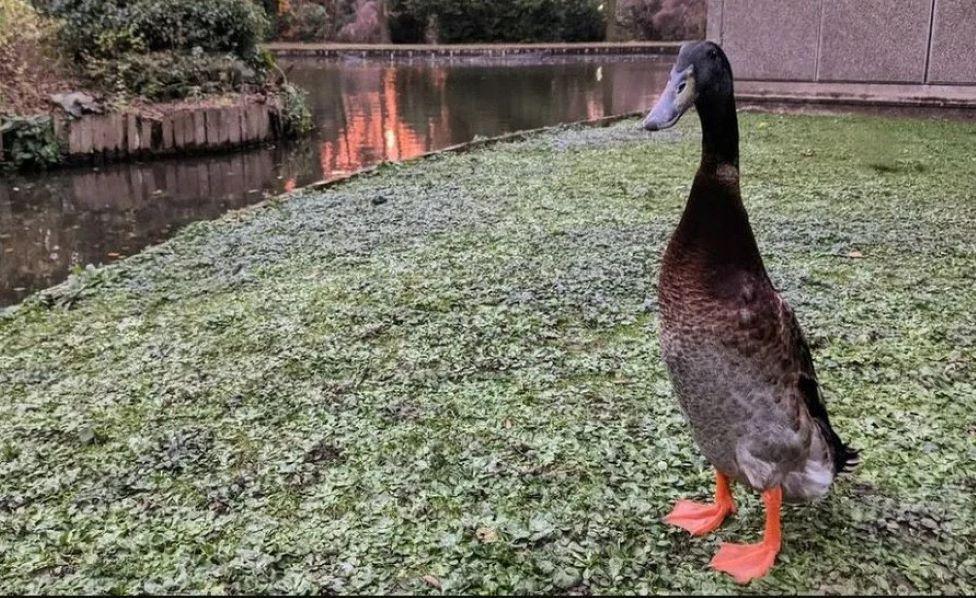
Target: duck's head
[{"x": 700, "y": 76}]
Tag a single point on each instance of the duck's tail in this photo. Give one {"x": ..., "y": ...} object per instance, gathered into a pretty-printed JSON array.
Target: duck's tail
[
  {"x": 845, "y": 458},
  {"x": 832, "y": 458}
]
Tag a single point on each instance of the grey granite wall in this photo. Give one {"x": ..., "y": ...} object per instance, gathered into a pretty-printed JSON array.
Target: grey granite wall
[
  {"x": 860, "y": 41},
  {"x": 953, "y": 54}
]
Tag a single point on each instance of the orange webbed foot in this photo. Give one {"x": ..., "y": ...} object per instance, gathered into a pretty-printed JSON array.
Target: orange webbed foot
[
  {"x": 745, "y": 562},
  {"x": 701, "y": 518},
  {"x": 698, "y": 518}
]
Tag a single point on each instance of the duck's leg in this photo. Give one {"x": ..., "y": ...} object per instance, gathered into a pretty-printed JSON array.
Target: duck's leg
[
  {"x": 702, "y": 518},
  {"x": 746, "y": 562}
]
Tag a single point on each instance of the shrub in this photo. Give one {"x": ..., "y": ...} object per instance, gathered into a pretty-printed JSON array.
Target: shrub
[
  {"x": 93, "y": 28},
  {"x": 30, "y": 142},
  {"x": 296, "y": 119},
  {"x": 110, "y": 28},
  {"x": 26, "y": 41},
  {"x": 367, "y": 24},
  {"x": 306, "y": 22},
  {"x": 459, "y": 21},
  {"x": 162, "y": 76},
  {"x": 663, "y": 20},
  {"x": 270, "y": 8},
  {"x": 165, "y": 49},
  {"x": 235, "y": 26},
  {"x": 19, "y": 23}
]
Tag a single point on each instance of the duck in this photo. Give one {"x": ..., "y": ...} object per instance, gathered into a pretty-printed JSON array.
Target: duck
[{"x": 738, "y": 361}]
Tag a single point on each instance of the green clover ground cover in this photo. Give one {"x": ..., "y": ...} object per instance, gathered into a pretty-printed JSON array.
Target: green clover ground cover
[{"x": 444, "y": 376}]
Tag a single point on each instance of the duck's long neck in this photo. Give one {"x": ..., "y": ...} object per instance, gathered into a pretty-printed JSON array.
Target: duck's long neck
[
  {"x": 720, "y": 131},
  {"x": 714, "y": 228}
]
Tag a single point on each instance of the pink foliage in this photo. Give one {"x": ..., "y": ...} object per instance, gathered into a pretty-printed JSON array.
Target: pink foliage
[
  {"x": 663, "y": 19},
  {"x": 368, "y": 26}
]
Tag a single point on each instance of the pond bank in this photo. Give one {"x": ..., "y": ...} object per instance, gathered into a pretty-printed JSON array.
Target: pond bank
[
  {"x": 330, "y": 50},
  {"x": 445, "y": 374},
  {"x": 207, "y": 127},
  {"x": 147, "y": 130},
  {"x": 363, "y": 113}
]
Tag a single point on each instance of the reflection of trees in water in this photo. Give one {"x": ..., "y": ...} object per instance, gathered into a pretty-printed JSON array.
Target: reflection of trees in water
[
  {"x": 87, "y": 216},
  {"x": 298, "y": 163},
  {"x": 365, "y": 111},
  {"x": 381, "y": 113},
  {"x": 419, "y": 92},
  {"x": 539, "y": 95},
  {"x": 372, "y": 111}
]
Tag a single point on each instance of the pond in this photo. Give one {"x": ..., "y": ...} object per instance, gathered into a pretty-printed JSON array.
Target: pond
[{"x": 365, "y": 111}]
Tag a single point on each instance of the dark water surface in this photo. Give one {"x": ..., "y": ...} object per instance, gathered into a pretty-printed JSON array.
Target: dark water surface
[{"x": 365, "y": 111}]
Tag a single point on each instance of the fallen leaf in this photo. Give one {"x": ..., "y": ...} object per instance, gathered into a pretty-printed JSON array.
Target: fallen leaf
[{"x": 487, "y": 535}]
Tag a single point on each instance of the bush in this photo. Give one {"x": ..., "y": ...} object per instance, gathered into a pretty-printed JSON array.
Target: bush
[
  {"x": 367, "y": 25},
  {"x": 110, "y": 28},
  {"x": 162, "y": 76},
  {"x": 26, "y": 41},
  {"x": 663, "y": 20},
  {"x": 270, "y": 8},
  {"x": 296, "y": 119},
  {"x": 165, "y": 49},
  {"x": 235, "y": 26},
  {"x": 19, "y": 23},
  {"x": 307, "y": 22},
  {"x": 29, "y": 142},
  {"x": 93, "y": 28},
  {"x": 460, "y": 21}
]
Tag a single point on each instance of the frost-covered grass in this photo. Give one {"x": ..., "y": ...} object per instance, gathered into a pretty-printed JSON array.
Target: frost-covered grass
[{"x": 445, "y": 375}]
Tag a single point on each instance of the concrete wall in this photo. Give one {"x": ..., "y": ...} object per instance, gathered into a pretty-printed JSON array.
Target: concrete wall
[{"x": 918, "y": 42}]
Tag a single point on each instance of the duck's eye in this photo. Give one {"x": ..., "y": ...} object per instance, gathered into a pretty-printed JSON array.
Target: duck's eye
[{"x": 712, "y": 53}]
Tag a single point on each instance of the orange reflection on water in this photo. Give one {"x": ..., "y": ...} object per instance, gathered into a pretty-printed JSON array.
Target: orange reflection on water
[
  {"x": 365, "y": 111},
  {"x": 375, "y": 130},
  {"x": 595, "y": 109}
]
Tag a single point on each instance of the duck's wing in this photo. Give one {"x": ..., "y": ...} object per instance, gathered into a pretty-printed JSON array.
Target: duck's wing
[{"x": 844, "y": 457}]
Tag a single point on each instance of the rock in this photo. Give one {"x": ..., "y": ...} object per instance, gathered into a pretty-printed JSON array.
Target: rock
[
  {"x": 244, "y": 73},
  {"x": 76, "y": 103}
]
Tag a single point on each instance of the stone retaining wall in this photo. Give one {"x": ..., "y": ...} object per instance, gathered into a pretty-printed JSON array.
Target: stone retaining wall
[{"x": 122, "y": 135}]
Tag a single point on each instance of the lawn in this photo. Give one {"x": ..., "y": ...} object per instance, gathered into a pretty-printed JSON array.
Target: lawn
[{"x": 444, "y": 376}]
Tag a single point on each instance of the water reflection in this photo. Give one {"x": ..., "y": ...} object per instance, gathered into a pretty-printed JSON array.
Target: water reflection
[{"x": 365, "y": 111}]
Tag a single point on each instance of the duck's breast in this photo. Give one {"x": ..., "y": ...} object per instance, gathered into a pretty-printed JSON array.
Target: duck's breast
[{"x": 731, "y": 378}]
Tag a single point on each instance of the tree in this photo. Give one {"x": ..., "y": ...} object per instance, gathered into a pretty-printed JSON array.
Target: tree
[
  {"x": 384, "y": 21},
  {"x": 610, "y": 14}
]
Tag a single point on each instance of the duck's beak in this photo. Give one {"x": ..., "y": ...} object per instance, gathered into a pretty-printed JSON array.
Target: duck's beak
[{"x": 678, "y": 96}]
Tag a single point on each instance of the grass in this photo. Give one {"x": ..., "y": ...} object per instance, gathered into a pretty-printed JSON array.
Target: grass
[{"x": 444, "y": 376}]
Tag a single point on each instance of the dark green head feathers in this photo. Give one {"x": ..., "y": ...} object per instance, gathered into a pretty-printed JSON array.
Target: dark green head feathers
[{"x": 702, "y": 77}]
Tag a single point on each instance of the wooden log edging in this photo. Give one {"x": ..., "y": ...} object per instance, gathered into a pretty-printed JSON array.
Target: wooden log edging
[{"x": 96, "y": 138}]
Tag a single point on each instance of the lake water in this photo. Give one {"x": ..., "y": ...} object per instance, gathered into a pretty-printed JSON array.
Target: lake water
[{"x": 365, "y": 111}]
